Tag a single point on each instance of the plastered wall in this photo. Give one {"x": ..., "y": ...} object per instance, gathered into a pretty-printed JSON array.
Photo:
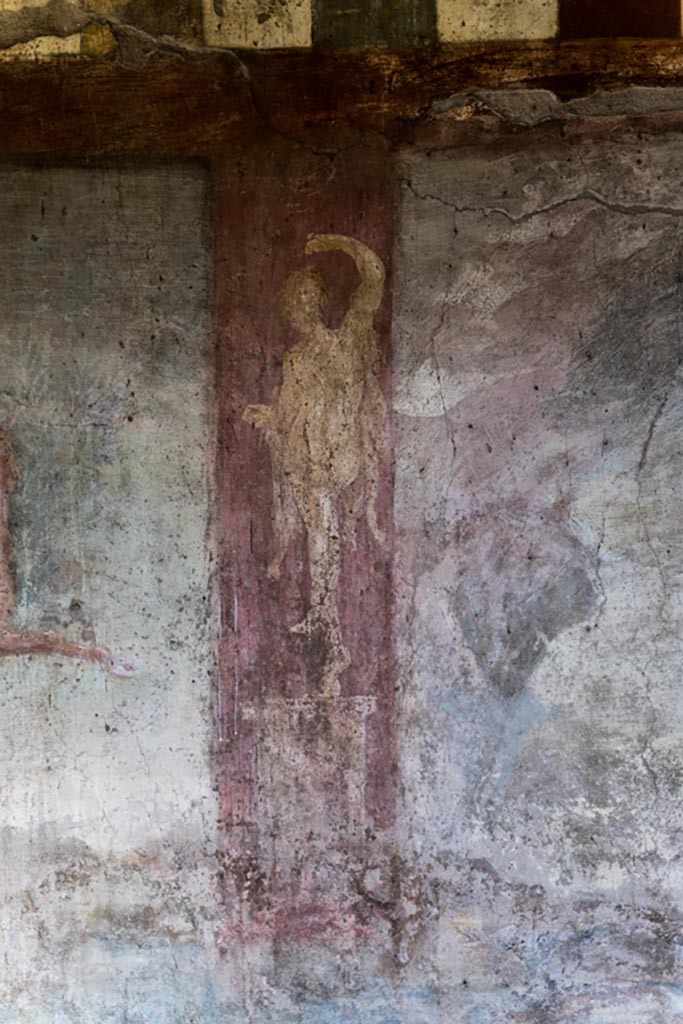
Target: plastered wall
[
  {"x": 106, "y": 774},
  {"x": 339, "y": 635},
  {"x": 340, "y": 547}
]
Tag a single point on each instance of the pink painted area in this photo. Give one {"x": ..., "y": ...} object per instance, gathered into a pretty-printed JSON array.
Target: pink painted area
[
  {"x": 512, "y": 325},
  {"x": 17, "y": 643},
  {"x": 500, "y": 544},
  {"x": 305, "y": 921}
]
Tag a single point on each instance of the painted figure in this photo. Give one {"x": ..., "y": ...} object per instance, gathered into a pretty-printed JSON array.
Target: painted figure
[
  {"x": 326, "y": 432},
  {"x": 15, "y": 642}
]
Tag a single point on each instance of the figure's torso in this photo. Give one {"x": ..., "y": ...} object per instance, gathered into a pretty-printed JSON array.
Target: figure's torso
[{"x": 319, "y": 407}]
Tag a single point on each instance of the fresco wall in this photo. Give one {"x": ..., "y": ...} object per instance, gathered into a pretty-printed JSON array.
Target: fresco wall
[
  {"x": 537, "y": 357},
  {"x": 108, "y": 813},
  {"x": 339, "y": 558}
]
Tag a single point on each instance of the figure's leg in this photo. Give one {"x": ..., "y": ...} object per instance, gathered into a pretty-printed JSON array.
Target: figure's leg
[
  {"x": 285, "y": 512},
  {"x": 324, "y": 555},
  {"x": 284, "y": 522},
  {"x": 324, "y": 559}
]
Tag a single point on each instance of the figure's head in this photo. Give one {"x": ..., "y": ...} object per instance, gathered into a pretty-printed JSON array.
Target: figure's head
[{"x": 302, "y": 298}]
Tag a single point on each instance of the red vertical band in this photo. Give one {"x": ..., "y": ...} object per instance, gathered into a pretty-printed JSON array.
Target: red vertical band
[{"x": 305, "y": 707}]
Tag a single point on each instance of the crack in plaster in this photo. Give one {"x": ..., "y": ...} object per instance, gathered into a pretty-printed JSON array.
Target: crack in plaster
[
  {"x": 437, "y": 369},
  {"x": 598, "y": 571},
  {"x": 587, "y": 195},
  {"x": 642, "y": 461}
]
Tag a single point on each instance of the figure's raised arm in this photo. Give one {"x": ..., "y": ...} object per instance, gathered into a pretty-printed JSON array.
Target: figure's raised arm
[{"x": 368, "y": 294}]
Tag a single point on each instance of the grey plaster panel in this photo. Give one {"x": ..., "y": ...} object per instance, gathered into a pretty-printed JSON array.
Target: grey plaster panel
[
  {"x": 107, "y": 819},
  {"x": 539, "y": 406}
]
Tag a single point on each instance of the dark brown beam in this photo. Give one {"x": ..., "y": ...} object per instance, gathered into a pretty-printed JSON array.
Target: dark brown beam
[{"x": 174, "y": 105}]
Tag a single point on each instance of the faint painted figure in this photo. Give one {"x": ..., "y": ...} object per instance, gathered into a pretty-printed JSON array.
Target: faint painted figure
[
  {"x": 15, "y": 642},
  {"x": 326, "y": 432}
]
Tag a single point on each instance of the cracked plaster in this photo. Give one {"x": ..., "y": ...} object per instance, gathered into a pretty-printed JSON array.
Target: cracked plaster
[
  {"x": 538, "y": 406},
  {"x": 536, "y": 359},
  {"x": 107, "y": 829}
]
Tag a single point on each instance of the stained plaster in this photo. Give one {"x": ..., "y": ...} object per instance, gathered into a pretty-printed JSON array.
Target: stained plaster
[
  {"x": 532, "y": 870},
  {"x": 108, "y": 817}
]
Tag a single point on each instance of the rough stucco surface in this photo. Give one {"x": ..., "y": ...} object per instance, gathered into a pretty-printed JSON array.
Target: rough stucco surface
[
  {"x": 261, "y": 24},
  {"x": 531, "y": 871},
  {"x": 468, "y": 20},
  {"x": 107, "y": 815},
  {"x": 537, "y": 357}
]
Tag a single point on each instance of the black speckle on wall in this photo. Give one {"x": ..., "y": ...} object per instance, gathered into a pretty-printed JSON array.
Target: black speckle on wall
[{"x": 386, "y": 23}]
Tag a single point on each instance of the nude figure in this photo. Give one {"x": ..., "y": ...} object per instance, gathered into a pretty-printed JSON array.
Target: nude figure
[
  {"x": 15, "y": 642},
  {"x": 325, "y": 431}
]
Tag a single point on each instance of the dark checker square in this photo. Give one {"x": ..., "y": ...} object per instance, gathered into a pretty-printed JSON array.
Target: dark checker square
[{"x": 652, "y": 19}]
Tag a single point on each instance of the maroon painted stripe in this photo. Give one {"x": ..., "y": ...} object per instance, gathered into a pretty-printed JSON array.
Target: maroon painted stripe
[{"x": 266, "y": 207}]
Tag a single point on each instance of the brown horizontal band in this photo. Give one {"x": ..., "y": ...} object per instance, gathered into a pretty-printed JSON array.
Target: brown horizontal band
[{"x": 201, "y": 105}]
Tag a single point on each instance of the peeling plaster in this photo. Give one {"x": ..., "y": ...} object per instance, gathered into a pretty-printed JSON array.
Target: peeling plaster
[{"x": 532, "y": 872}]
